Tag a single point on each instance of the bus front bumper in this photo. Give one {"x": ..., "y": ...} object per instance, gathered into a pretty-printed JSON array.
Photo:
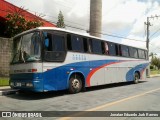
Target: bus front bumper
[{"x": 35, "y": 85}]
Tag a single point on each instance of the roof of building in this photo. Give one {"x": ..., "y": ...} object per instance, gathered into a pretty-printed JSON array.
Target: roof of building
[{"x": 6, "y": 7}]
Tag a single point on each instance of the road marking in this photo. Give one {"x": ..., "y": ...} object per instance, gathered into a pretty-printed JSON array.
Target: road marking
[{"x": 109, "y": 104}]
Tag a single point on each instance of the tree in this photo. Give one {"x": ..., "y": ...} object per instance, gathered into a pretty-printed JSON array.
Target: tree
[
  {"x": 156, "y": 62},
  {"x": 16, "y": 23},
  {"x": 60, "y": 23},
  {"x": 152, "y": 54}
]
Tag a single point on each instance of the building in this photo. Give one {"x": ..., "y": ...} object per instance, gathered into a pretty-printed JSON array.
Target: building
[{"x": 6, "y": 7}]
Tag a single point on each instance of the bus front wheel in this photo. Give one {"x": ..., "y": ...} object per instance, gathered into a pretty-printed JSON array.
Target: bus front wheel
[
  {"x": 136, "y": 78},
  {"x": 75, "y": 84}
]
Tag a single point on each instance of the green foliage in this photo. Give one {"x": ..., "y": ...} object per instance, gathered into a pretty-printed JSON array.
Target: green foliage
[
  {"x": 16, "y": 23},
  {"x": 151, "y": 67},
  {"x": 60, "y": 23},
  {"x": 156, "y": 62}
]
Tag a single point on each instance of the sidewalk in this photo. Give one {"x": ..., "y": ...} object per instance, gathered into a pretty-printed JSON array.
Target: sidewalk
[
  {"x": 156, "y": 75},
  {"x": 6, "y": 90}
]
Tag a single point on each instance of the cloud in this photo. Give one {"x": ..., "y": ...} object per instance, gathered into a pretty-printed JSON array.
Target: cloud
[
  {"x": 119, "y": 17},
  {"x": 123, "y": 15}
]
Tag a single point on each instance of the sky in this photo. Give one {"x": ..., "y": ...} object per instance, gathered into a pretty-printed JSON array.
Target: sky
[{"x": 124, "y": 18}]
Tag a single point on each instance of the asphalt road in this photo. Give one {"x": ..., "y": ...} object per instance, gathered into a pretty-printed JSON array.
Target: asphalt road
[{"x": 144, "y": 96}]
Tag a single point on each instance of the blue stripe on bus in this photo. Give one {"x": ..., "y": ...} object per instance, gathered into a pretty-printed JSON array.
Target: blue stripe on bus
[
  {"x": 57, "y": 78},
  {"x": 131, "y": 72}
]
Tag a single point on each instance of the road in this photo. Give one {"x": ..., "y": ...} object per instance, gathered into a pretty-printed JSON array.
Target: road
[{"x": 144, "y": 96}]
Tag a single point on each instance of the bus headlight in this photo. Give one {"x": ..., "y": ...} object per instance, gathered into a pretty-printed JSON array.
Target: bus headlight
[{"x": 29, "y": 85}]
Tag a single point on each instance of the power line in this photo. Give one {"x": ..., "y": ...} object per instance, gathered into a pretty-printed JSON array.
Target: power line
[
  {"x": 155, "y": 33},
  {"x": 111, "y": 35}
]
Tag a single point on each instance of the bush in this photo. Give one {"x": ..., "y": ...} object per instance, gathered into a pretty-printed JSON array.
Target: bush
[{"x": 151, "y": 67}]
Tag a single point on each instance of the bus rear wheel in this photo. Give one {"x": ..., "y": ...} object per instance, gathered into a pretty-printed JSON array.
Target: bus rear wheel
[
  {"x": 75, "y": 84},
  {"x": 136, "y": 78}
]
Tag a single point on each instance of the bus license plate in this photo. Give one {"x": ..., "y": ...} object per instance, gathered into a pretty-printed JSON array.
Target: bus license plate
[{"x": 18, "y": 84}]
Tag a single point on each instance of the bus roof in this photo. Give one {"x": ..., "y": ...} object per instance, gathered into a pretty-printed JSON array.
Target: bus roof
[{"x": 69, "y": 31}]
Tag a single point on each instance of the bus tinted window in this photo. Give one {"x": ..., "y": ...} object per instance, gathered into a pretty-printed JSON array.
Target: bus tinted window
[
  {"x": 77, "y": 43},
  {"x": 56, "y": 42},
  {"x": 133, "y": 52},
  {"x": 112, "y": 49},
  {"x": 124, "y": 51},
  {"x": 96, "y": 46},
  {"x": 141, "y": 54}
]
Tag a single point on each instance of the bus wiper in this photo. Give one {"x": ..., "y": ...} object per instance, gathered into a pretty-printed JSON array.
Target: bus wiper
[
  {"x": 22, "y": 53},
  {"x": 21, "y": 56}
]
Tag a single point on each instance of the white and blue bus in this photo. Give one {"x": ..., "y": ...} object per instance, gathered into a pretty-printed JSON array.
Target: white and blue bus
[{"x": 52, "y": 59}]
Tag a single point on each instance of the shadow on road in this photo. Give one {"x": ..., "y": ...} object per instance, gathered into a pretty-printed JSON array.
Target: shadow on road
[
  {"x": 21, "y": 95},
  {"x": 111, "y": 86}
]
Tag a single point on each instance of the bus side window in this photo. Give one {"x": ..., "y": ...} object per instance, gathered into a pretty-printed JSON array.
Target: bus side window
[
  {"x": 141, "y": 54},
  {"x": 77, "y": 43},
  {"x": 96, "y": 46},
  {"x": 133, "y": 52},
  {"x": 125, "y": 51},
  {"x": 48, "y": 41},
  {"x": 112, "y": 49}
]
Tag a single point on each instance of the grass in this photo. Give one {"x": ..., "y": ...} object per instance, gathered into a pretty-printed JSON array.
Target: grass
[
  {"x": 154, "y": 72},
  {"x": 4, "y": 81}
]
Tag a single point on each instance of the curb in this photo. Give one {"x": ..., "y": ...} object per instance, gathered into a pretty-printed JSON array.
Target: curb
[{"x": 8, "y": 92}]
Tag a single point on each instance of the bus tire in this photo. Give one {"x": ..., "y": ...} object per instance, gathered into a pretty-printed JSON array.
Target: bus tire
[
  {"x": 136, "y": 78},
  {"x": 75, "y": 84}
]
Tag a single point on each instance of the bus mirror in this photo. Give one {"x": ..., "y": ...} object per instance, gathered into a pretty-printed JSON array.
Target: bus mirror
[{"x": 46, "y": 42}]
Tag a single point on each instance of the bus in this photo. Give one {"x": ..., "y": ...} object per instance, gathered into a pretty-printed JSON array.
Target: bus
[{"x": 52, "y": 59}]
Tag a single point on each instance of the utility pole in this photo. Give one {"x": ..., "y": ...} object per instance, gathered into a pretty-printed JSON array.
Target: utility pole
[
  {"x": 147, "y": 38},
  {"x": 149, "y": 24}
]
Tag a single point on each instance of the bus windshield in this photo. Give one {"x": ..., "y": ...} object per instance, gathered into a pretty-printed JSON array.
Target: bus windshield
[{"x": 26, "y": 48}]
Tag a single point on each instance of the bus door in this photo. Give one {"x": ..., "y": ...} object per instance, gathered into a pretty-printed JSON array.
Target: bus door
[{"x": 54, "y": 56}]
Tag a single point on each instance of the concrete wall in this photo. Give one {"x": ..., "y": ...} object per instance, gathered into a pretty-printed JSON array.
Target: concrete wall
[{"x": 5, "y": 56}]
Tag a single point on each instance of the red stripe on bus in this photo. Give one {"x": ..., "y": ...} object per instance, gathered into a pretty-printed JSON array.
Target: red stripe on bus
[{"x": 96, "y": 69}]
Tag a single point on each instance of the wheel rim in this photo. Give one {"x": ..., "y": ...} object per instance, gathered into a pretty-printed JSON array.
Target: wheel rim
[{"x": 75, "y": 84}]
